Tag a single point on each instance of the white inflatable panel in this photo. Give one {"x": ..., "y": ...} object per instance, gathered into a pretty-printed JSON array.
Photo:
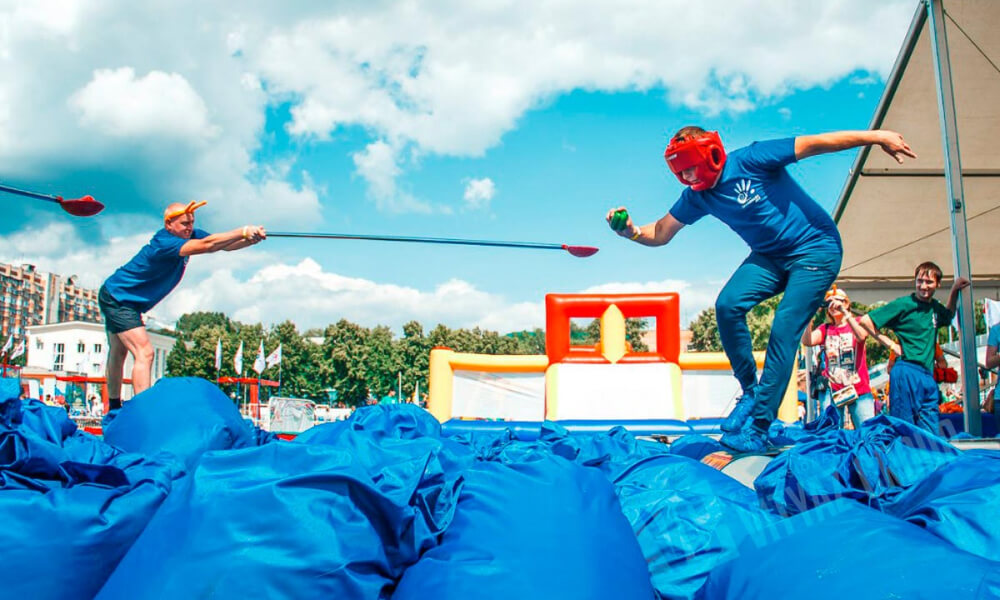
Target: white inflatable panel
[
  {"x": 508, "y": 396},
  {"x": 709, "y": 393},
  {"x": 618, "y": 391}
]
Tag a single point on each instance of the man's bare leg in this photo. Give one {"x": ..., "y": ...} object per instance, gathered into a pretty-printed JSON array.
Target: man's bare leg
[
  {"x": 117, "y": 352},
  {"x": 137, "y": 342}
]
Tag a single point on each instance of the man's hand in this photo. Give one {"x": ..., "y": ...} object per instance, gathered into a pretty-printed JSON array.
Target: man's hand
[
  {"x": 960, "y": 284},
  {"x": 894, "y": 145},
  {"x": 254, "y": 233},
  {"x": 628, "y": 231}
]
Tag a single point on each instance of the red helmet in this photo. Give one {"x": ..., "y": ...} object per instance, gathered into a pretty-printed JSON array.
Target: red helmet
[{"x": 705, "y": 153}]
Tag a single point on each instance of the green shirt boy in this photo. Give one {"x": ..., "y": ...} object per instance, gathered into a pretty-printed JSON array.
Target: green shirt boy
[{"x": 916, "y": 324}]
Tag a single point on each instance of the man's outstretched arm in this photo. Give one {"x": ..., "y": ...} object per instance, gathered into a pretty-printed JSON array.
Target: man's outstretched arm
[{"x": 892, "y": 143}]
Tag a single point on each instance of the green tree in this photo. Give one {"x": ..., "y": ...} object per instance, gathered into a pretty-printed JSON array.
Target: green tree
[
  {"x": 414, "y": 351},
  {"x": 705, "y": 328},
  {"x": 190, "y": 322},
  {"x": 342, "y": 361},
  {"x": 300, "y": 371}
]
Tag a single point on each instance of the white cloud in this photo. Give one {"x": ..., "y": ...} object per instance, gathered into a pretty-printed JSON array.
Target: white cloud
[
  {"x": 378, "y": 165},
  {"x": 128, "y": 81},
  {"x": 479, "y": 193},
  {"x": 312, "y": 297},
  {"x": 158, "y": 104}
]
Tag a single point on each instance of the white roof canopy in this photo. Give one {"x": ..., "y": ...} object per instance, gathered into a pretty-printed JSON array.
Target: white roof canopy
[{"x": 893, "y": 217}]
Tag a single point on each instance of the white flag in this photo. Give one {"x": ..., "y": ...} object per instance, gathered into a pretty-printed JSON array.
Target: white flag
[
  {"x": 238, "y": 359},
  {"x": 992, "y": 310},
  {"x": 218, "y": 354},
  {"x": 258, "y": 363},
  {"x": 8, "y": 345},
  {"x": 274, "y": 358},
  {"x": 18, "y": 350}
]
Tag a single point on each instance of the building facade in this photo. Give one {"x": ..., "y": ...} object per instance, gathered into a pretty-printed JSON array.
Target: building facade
[
  {"x": 29, "y": 297},
  {"x": 80, "y": 348}
]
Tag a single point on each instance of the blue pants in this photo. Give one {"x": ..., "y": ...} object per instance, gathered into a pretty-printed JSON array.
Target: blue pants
[
  {"x": 914, "y": 395},
  {"x": 804, "y": 280},
  {"x": 860, "y": 410}
]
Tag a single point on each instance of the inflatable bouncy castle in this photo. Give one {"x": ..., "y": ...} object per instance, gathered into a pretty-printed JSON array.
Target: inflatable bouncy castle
[{"x": 604, "y": 382}]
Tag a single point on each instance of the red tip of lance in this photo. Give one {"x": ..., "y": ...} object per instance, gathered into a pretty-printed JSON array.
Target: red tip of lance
[
  {"x": 81, "y": 207},
  {"x": 581, "y": 251}
]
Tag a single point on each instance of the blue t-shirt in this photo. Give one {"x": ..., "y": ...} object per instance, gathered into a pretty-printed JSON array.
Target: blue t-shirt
[
  {"x": 761, "y": 202},
  {"x": 993, "y": 339},
  {"x": 152, "y": 273}
]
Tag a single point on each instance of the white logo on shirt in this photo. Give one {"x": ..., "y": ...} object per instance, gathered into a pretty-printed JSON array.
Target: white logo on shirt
[{"x": 745, "y": 193}]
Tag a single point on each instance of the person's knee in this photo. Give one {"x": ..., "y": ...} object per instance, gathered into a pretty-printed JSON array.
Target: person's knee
[
  {"x": 728, "y": 309},
  {"x": 144, "y": 354}
]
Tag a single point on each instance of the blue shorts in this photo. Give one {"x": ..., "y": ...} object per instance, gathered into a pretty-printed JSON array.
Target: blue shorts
[{"x": 117, "y": 317}]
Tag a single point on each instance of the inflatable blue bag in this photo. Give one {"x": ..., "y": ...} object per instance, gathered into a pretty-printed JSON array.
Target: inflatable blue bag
[
  {"x": 871, "y": 465},
  {"x": 389, "y": 440},
  {"x": 286, "y": 520},
  {"x": 71, "y": 505},
  {"x": 695, "y": 446},
  {"x": 688, "y": 518},
  {"x": 959, "y": 502},
  {"x": 845, "y": 550},
  {"x": 544, "y": 528},
  {"x": 186, "y": 416},
  {"x": 612, "y": 452}
]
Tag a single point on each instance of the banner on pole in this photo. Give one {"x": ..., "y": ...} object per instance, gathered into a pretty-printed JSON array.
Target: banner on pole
[
  {"x": 274, "y": 358},
  {"x": 238, "y": 359},
  {"x": 258, "y": 364}
]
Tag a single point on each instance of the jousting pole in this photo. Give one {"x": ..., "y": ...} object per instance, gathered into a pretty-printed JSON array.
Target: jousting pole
[
  {"x": 578, "y": 251},
  {"x": 78, "y": 207}
]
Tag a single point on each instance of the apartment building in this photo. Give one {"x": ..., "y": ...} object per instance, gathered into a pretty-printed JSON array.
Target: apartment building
[{"x": 29, "y": 297}]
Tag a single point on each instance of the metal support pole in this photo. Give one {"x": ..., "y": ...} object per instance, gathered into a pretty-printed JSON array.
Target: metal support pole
[{"x": 956, "y": 208}]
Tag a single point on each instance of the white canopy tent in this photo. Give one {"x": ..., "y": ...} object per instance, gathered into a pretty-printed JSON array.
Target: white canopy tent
[{"x": 943, "y": 95}]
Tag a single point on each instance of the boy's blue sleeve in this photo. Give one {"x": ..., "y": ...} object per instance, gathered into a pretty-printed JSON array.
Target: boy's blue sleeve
[
  {"x": 769, "y": 155},
  {"x": 688, "y": 209},
  {"x": 993, "y": 339},
  {"x": 885, "y": 316}
]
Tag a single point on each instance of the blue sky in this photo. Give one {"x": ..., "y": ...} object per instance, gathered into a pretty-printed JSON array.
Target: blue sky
[{"x": 422, "y": 119}]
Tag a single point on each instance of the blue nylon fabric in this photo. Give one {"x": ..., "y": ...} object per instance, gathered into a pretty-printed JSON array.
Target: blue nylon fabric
[
  {"x": 959, "y": 502},
  {"x": 695, "y": 446},
  {"x": 10, "y": 388},
  {"x": 186, "y": 416},
  {"x": 871, "y": 465},
  {"x": 537, "y": 528},
  {"x": 687, "y": 517},
  {"x": 845, "y": 550},
  {"x": 71, "y": 504},
  {"x": 284, "y": 520},
  {"x": 397, "y": 443}
]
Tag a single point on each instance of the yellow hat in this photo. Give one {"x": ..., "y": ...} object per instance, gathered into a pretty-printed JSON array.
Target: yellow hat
[
  {"x": 834, "y": 292},
  {"x": 173, "y": 211}
]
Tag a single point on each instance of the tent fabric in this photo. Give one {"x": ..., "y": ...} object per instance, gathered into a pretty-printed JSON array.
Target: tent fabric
[
  {"x": 870, "y": 465},
  {"x": 542, "y": 528},
  {"x": 879, "y": 259},
  {"x": 845, "y": 550},
  {"x": 72, "y": 505},
  {"x": 186, "y": 416}
]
